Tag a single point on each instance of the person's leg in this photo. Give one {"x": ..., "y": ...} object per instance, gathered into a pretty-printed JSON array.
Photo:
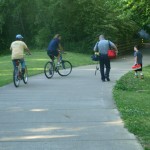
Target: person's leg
[
  {"x": 58, "y": 59},
  {"x": 50, "y": 54},
  {"x": 107, "y": 64},
  {"x": 141, "y": 73},
  {"x": 22, "y": 66},
  {"x": 57, "y": 54},
  {"x": 14, "y": 64},
  {"x": 102, "y": 68},
  {"x": 136, "y": 74}
]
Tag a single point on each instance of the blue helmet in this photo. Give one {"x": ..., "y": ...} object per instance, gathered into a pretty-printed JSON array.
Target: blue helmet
[{"x": 19, "y": 36}]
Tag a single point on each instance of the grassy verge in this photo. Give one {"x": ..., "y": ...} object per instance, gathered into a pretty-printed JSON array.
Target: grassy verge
[
  {"x": 132, "y": 97},
  {"x": 36, "y": 62}
]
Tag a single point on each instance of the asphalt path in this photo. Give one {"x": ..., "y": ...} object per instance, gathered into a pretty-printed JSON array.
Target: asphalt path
[{"x": 66, "y": 113}]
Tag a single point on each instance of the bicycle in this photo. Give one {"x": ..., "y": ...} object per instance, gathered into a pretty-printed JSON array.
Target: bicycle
[
  {"x": 64, "y": 69},
  {"x": 17, "y": 74},
  {"x": 97, "y": 68},
  {"x": 95, "y": 57}
]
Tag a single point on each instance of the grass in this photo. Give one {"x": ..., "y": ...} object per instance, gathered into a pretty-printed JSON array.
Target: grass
[
  {"x": 132, "y": 96},
  {"x": 36, "y": 62}
]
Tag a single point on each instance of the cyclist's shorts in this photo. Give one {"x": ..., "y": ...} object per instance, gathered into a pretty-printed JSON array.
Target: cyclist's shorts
[{"x": 54, "y": 53}]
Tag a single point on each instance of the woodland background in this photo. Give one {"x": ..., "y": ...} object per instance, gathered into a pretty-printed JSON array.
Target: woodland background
[{"x": 78, "y": 21}]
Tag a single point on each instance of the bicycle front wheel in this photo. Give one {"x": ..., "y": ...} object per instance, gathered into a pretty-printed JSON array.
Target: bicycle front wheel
[
  {"x": 65, "y": 68},
  {"x": 25, "y": 76},
  {"x": 49, "y": 69},
  {"x": 97, "y": 68},
  {"x": 16, "y": 77}
]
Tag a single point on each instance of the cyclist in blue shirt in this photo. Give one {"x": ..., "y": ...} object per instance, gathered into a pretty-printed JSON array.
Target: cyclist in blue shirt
[{"x": 54, "y": 47}]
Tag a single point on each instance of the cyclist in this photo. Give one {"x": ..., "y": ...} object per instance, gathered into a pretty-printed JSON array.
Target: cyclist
[
  {"x": 54, "y": 48},
  {"x": 17, "y": 47}
]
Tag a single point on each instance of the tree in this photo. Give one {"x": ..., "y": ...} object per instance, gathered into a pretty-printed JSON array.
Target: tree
[{"x": 79, "y": 21}]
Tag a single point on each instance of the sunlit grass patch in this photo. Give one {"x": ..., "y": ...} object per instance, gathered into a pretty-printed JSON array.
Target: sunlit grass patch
[{"x": 35, "y": 63}]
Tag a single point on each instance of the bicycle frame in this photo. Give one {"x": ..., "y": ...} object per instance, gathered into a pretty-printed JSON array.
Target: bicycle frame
[
  {"x": 97, "y": 68},
  {"x": 18, "y": 68},
  {"x": 17, "y": 75}
]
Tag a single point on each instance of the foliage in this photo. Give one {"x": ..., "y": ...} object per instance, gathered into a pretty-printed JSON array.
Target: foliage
[
  {"x": 79, "y": 21},
  {"x": 137, "y": 11},
  {"x": 132, "y": 98}
]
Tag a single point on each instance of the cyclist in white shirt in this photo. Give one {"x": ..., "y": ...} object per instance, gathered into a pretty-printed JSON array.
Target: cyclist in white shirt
[{"x": 17, "y": 47}]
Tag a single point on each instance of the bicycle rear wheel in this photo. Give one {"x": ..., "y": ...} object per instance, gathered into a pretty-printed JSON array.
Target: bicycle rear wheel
[
  {"x": 96, "y": 69},
  {"x": 65, "y": 68},
  {"x": 25, "y": 76},
  {"x": 16, "y": 77},
  {"x": 49, "y": 69}
]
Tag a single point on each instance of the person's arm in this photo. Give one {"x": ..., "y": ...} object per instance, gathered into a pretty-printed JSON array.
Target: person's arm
[
  {"x": 27, "y": 49},
  {"x": 60, "y": 47},
  {"x": 10, "y": 48},
  {"x": 135, "y": 58},
  {"x": 114, "y": 47},
  {"x": 96, "y": 47}
]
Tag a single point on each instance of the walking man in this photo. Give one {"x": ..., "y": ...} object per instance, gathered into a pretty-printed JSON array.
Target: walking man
[{"x": 102, "y": 46}]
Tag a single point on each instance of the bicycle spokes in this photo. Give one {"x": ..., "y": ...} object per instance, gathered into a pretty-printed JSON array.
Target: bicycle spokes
[
  {"x": 65, "y": 68},
  {"x": 16, "y": 78},
  {"x": 25, "y": 76}
]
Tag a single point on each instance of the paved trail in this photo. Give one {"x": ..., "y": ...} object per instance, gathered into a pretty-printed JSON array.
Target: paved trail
[{"x": 65, "y": 113}]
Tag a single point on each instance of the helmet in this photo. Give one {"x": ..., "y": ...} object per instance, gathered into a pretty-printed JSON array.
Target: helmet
[{"x": 19, "y": 36}]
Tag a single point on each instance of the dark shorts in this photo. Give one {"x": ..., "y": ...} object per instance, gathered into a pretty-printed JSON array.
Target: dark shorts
[
  {"x": 140, "y": 68},
  {"x": 54, "y": 53}
]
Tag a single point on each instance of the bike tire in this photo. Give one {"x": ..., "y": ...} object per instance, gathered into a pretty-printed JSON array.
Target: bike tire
[
  {"x": 65, "y": 68},
  {"x": 49, "y": 69},
  {"x": 16, "y": 79},
  {"x": 25, "y": 76},
  {"x": 96, "y": 69},
  {"x": 95, "y": 72}
]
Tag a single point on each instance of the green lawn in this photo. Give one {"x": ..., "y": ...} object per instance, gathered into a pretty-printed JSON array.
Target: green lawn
[
  {"x": 132, "y": 97},
  {"x": 36, "y": 62}
]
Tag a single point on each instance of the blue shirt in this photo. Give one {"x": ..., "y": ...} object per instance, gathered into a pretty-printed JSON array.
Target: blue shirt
[
  {"x": 103, "y": 46},
  {"x": 139, "y": 56},
  {"x": 53, "y": 45}
]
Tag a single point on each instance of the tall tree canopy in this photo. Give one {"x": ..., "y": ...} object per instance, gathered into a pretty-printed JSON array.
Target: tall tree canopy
[{"x": 79, "y": 21}]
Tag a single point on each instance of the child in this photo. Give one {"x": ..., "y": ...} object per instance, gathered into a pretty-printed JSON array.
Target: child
[{"x": 138, "y": 60}]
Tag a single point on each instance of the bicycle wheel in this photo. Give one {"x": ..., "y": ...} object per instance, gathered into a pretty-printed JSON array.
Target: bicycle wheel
[
  {"x": 16, "y": 78},
  {"x": 97, "y": 68},
  {"x": 49, "y": 69},
  {"x": 25, "y": 76},
  {"x": 65, "y": 68}
]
